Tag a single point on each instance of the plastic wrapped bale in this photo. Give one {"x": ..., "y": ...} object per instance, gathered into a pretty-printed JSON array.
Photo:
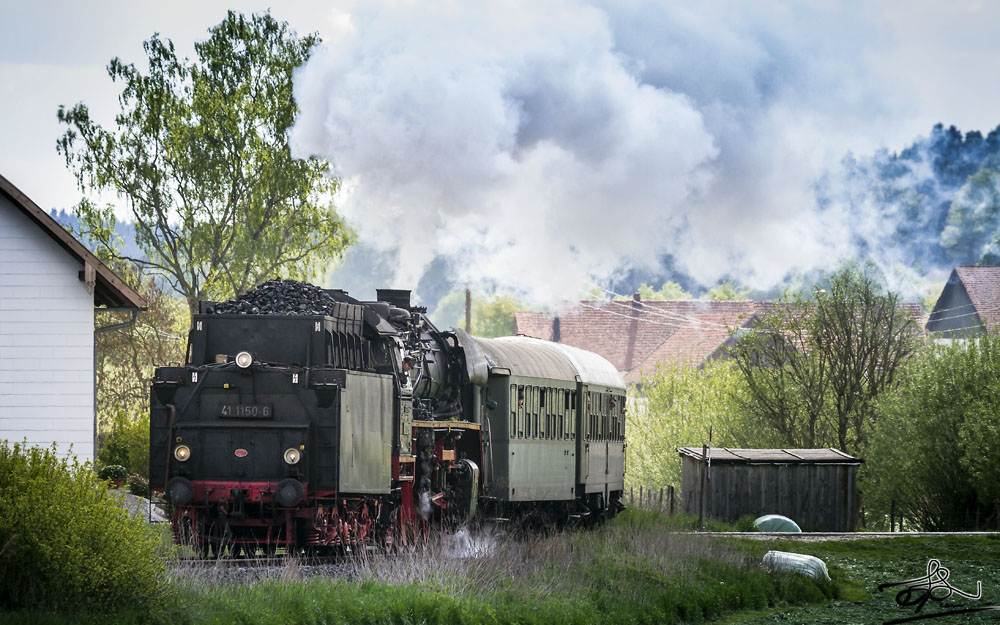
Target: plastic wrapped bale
[
  {"x": 796, "y": 563},
  {"x": 776, "y": 523}
]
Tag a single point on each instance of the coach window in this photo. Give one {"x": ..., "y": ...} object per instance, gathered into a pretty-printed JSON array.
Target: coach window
[
  {"x": 573, "y": 413},
  {"x": 595, "y": 419},
  {"x": 619, "y": 404},
  {"x": 513, "y": 411},
  {"x": 548, "y": 413},
  {"x": 543, "y": 425},
  {"x": 560, "y": 411},
  {"x": 603, "y": 415},
  {"x": 529, "y": 412},
  {"x": 568, "y": 412},
  {"x": 557, "y": 408},
  {"x": 534, "y": 411},
  {"x": 613, "y": 406},
  {"x": 520, "y": 411}
]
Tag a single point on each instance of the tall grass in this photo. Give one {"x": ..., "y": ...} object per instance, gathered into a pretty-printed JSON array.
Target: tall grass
[{"x": 634, "y": 569}]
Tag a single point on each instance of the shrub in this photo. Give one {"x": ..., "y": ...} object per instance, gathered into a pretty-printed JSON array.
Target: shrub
[
  {"x": 66, "y": 542},
  {"x": 935, "y": 442},
  {"x": 138, "y": 485},
  {"x": 114, "y": 452},
  {"x": 113, "y": 472},
  {"x": 127, "y": 444}
]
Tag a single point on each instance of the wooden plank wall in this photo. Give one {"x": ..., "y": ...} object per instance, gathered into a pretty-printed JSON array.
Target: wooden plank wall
[
  {"x": 46, "y": 340},
  {"x": 819, "y": 497}
]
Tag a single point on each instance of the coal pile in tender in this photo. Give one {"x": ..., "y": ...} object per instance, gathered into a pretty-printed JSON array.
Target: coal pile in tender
[{"x": 278, "y": 297}]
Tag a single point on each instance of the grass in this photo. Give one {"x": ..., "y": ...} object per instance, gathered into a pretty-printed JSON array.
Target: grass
[
  {"x": 640, "y": 568},
  {"x": 859, "y": 566},
  {"x": 636, "y": 569}
]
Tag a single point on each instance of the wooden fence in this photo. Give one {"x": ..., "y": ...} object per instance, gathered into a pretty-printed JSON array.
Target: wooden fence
[{"x": 665, "y": 500}]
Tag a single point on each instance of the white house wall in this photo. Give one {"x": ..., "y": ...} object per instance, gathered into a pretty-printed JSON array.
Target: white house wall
[{"x": 46, "y": 340}]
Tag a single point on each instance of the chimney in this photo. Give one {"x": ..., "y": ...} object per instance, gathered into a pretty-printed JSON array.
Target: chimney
[{"x": 556, "y": 334}]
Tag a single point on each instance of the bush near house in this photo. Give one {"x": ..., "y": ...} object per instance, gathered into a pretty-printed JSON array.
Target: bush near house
[{"x": 66, "y": 543}]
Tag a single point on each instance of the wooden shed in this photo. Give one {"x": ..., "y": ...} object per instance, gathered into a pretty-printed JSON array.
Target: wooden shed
[{"x": 816, "y": 488}]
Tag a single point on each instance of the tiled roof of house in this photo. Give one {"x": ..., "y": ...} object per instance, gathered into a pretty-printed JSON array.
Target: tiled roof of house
[
  {"x": 983, "y": 286},
  {"x": 635, "y": 336}
]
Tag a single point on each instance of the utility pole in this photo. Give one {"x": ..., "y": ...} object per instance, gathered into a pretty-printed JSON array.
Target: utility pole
[{"x": 468, "y": 311}]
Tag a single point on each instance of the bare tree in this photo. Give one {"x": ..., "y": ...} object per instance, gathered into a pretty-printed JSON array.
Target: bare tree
[{"x": 814, "y": 366}]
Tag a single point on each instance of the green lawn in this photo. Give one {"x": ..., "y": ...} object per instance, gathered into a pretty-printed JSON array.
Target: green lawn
[{"x": 860, "y": 566}]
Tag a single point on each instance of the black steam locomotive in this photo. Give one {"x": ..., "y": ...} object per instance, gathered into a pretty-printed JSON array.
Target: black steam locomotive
[{"x": 340, "y": 422}]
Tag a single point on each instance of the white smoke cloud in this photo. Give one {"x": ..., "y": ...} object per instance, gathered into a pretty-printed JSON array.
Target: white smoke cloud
[{"x": 540, "y": 146}]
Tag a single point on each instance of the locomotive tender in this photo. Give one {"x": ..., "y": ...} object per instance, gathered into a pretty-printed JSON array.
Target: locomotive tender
[{"x": 366, "y": 424}]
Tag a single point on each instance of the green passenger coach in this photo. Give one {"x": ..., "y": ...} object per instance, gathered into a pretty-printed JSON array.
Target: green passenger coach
[{"x": 557, "y": 432}]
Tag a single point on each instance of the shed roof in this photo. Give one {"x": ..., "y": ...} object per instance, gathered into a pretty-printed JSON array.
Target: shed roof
[
  {"x": 109, "y": 289},
  {"x": 727, "y": 455}
]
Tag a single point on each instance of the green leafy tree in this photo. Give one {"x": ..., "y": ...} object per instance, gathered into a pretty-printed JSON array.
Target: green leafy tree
[
  {"x": 669, "y": 290},
  {"x": 814, "y": 367},
  {"x": 126, "y": 360},
  {"x": 936, "y": 437},
  {"x": 450, "y": 311},
  {"x": 491, "y": 317},
  {"x": 494, "y": 316},
  {"x": 200, "y": 157},
  {"x": 126, "y": 357},
  {"x": 727, "y": 292},
  {"x": 674, "y": 407}
]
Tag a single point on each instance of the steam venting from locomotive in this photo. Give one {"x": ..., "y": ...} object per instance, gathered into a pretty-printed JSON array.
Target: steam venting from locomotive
[{"x": 595, "y": 138}]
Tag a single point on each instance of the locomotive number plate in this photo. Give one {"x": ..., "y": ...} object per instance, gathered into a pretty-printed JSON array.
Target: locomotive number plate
[{"x": 246, "y": 411}]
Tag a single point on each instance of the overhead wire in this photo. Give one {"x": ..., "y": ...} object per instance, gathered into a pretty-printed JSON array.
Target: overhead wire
[
  {"x": 672, "y": 315},
  {"x": 686, "y": 321}
]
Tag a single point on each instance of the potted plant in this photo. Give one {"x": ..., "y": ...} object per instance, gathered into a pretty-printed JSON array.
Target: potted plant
[{"x": 114, "y": 473}]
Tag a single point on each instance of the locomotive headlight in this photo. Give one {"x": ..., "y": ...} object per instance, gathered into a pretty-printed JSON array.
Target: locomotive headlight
[
  {"x": 244, "y": 360},
  {"x": 292, "y": 455},
  {"x": 182, "y": 453}
]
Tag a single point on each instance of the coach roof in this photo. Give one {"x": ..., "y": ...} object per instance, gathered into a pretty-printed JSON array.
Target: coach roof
[{"x": 529, "y": 357}]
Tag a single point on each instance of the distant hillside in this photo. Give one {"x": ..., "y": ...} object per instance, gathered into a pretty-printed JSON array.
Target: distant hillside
[
  {"x": 935, "y": 204},
  {"x": 125, "y": 229}
]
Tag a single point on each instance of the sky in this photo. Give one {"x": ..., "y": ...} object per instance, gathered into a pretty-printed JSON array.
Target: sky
[{"x": 584, "y": 138}]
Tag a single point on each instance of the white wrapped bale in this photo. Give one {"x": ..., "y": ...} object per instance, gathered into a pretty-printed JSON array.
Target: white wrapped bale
[{"x": 810, "y": 566}]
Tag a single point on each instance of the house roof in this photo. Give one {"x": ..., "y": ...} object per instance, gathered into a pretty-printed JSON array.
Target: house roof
[
  {"x": 109, "y": 289},
  {"x": 635, "y": 336},
  {"x": 726, "y": 455},
  {"x": 983, "y": 286}
]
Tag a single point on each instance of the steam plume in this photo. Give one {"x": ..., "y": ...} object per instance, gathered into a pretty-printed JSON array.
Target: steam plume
[{"x": 542, "y": 146}]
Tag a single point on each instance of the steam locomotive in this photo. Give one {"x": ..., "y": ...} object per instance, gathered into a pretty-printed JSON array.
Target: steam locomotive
[{"x": 367, "y": 425}]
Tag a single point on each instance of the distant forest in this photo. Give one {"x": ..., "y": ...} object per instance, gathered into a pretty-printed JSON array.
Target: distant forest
[
  {"x": 937, "y": 201},
  {"x": 125, "y": 229}
]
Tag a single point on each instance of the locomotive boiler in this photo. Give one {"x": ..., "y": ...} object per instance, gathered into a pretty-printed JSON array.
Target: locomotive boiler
[{"x": 335, "y": 422}]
